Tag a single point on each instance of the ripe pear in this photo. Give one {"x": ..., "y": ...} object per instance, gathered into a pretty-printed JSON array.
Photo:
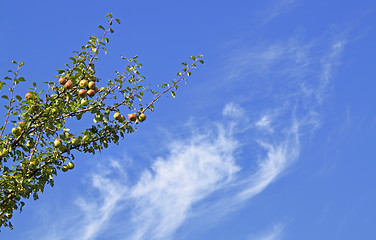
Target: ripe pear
[
  {"x": 82, "y": 93},
  {"x": 70, "y": 165},
  {"x": 65, "y": 168},
  {"x": 62, "y": 80},
  {"x": 57, "y": 143},
  {"x": 84, "y": 102},
  {"x": 68, "y": 84},
  {"x": 121, "y": 118},
  {"x": 91, "y": 93},
  {"x": 29, "y": 144},
  {"x": 132, "y": 117},
  {"x": 83, "y": 83},
  {"x": 141, "y": 117},
  {"x": 16, "y": 131},
  {"x": 28, "y": 95},
  {"x": 91, "y": 85},
  {"x": 4, "y": 152},
  {"x": 117, "y": 115}
]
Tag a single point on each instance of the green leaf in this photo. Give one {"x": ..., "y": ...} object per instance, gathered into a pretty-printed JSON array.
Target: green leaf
[
  {"x": 179, "y": 73},
  {"x": 201, "y": 61},
  {"x": 173, "y": 94},
  {"x": 199, "y": 56},
  {"x": 193, "y": 57},
  {"x": 19, "y": 98},
  {"x": 189, "y": 74},
  {"x": 112, "y": 30},
  {"x": 117, "y": 20},
  {"x": 5, "y": 97},
  {"x": 109, "y": 15},
  {"x": 101, "y": 27}
]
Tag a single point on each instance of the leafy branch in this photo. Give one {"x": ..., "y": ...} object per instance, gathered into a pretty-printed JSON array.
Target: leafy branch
[{"x": 41, "y": 143}]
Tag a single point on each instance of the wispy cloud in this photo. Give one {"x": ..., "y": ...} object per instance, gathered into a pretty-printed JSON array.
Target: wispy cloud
[
  {"x": 278, "y": 157},
  {"x": 264, "y": 123},
  {"x": 274, "y": 234},
  {"x": 96, "y": 214},
  {"x": 193, "y": 170},
  {"x": 171, "y": 192},
  {"x": 277, "y": 8}
]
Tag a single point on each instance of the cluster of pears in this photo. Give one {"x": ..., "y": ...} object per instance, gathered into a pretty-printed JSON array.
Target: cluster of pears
[
  {"x": 17, "y": 130},
  {"x": 131, "y": 117},
  {"x": 58, "y": 144},
  {"x": 67, "y": 167},
  {"x": 87, "y": 88}
]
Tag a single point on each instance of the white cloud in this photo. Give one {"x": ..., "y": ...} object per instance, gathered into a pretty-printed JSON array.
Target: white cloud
[
  {"x": 277, "y": 8},
  {"x": 193, "y": 170},
  {"x": 173, "y": 189},
  {"x": 96, "y": 214},
  {"x": 279, "y": 156},
  {"x": 274, "y": 234},
  {"x": 170, "y": 192},
  {"x": 264, "y": 123},
  {"x": 233, "y": 110}
]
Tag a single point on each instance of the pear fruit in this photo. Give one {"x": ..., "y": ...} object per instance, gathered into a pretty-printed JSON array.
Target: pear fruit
[
  {"x": 91, "y": 85},
  {"x": 82, "y": 93},
  {"x": 62, "y": 80},
  {"x": 4, "y": 152},
  {"x": 141, "y": 117},
  {"x": 117, "y": 115},
  {"x": 84, "y": 102},
  {"x": 75, "y": 141},
  {"x": 83, "y": 83},
  {"x": 70, "y": 165},
  {"x": 28, "y": 95},
  {"x": 16, "y": 131},
  {"x": 68, "y": 84},
  {"x": 58, "y": 143},
  {"x": 91, "y": 93},
  {"x": 132, "y": 117}
]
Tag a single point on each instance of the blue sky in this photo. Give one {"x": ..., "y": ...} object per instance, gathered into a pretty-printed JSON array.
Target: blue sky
[{"x": 273, "y": 138}]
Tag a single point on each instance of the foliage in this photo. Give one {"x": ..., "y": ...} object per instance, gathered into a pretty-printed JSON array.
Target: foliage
[{"x": 41, "y": 144}]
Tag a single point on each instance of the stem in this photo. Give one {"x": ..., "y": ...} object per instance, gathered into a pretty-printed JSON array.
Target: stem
[{"x": 173, "y": 85}]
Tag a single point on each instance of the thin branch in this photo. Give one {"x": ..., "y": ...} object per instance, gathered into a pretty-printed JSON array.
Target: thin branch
[{"x": 10, "y": 100}]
